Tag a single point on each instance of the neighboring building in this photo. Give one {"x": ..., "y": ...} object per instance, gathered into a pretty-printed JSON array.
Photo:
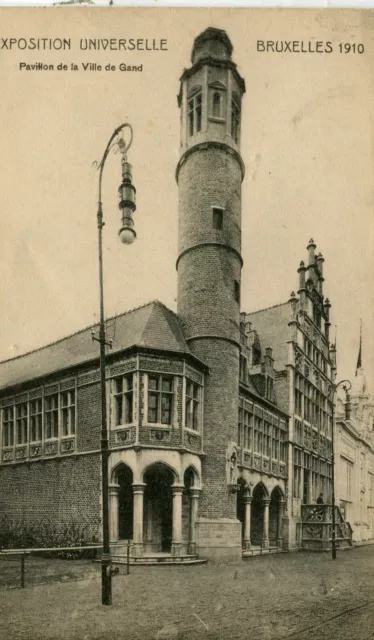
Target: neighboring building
[
  {"x": 220, "y": 423},
  {"x": 304, "y": 364},
  {"x": 354, "y": 455}
]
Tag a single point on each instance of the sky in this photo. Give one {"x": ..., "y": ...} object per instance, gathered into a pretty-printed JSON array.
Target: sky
[{"x": 307, "y": 143}]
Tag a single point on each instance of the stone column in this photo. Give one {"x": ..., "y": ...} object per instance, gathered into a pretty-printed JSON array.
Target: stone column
[
  {"x": 194, "y": 493},
  {"x": 247, "y": 522},
  {"x": 176, "y": 543},
  {"x": 265, "y": 533},
  {"x": 138, "y": 491},
  {"x": 113, "y": 512},
  {"x": 280, "y": 524}
]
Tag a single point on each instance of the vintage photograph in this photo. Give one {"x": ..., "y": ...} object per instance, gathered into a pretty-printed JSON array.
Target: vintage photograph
[{"x": 187, "y": 350}]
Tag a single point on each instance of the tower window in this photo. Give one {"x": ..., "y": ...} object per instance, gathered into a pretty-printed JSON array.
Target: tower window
[
  {"x": 217, "y": 105},
  {"x": 217, "y": 219},
  {"x": 235, "y": 119},
  {"x": 237, "y": 291},
  {"x": 194, "y": 114}
]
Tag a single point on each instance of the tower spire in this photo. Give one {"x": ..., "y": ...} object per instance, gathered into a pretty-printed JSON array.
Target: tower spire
[{"x": 359, "y": 358}]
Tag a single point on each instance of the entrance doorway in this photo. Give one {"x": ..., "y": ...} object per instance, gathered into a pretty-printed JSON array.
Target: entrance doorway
[
  {"x": 257, "y": 514},
  {"x": 274, "y": 523},
  {"x": 240, "y": 513},
  {"x": 125, "y": 503},
  {"x": 158, "y": 508}
]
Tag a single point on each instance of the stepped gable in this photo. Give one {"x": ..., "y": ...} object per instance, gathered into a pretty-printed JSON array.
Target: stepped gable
[
  {"x": 272, "y": 327},
  {"x": 152, "y": 326}
]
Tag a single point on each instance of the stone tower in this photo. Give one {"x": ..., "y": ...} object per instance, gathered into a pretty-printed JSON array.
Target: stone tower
[{"x": 209, "y": 175}]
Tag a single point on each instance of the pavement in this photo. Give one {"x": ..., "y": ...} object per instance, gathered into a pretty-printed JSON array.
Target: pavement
[{"x": 295, "y": 595}]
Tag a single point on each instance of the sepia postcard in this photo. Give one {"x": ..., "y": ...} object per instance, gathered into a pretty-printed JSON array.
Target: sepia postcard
[{"x": 187, "y": 323}]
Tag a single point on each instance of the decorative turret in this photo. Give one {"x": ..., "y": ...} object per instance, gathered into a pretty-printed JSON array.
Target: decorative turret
[{"x": 211, "y": 93}]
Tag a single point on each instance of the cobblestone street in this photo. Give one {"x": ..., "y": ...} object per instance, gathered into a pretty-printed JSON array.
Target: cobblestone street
[{"x": 267, "y": 598}]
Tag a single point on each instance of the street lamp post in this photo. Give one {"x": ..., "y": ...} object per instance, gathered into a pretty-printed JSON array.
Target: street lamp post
[
  {"x": 346, "y": 385},
  {"x": 127, "y": 235}
]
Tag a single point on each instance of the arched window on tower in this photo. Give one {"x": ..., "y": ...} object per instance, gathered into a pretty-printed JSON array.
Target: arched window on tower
[
  {"x": 217, "y": 105},
  {"x": 235, "y": 119},
  {"x": 194, "y": 113}
]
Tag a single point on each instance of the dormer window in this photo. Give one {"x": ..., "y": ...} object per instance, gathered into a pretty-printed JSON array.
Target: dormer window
[
  {"x": 235, "y": 119},
  {"x": 194, "y": 113}
]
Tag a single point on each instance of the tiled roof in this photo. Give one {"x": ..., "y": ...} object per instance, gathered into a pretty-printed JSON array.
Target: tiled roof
[
  {"x": 153, "y": 326},
  {"x": 272, "y": 327}
]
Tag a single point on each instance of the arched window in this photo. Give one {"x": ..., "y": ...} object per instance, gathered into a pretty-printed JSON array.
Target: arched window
[
  {"x": 194, "y": 113},
  {"x": 217, "y": 105},
  {"x": 235, "y": 119}
]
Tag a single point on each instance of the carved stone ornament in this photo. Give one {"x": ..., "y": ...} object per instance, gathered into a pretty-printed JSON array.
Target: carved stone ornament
[
  {"x": 67, "y": 446},
  {"x": 191, "y": 439},
  {"x": 314, "y": 441},
  {"x": 160, "y": 435},
  {"x": 298, "y": 360},
  {"x": 232, "y": 464},
  {"x": 51, "y": 448},
  {"x": 122, "y": 436},
  {"x": 36, "y": 450}
]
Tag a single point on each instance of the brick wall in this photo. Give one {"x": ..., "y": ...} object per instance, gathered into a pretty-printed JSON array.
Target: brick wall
[
  {"x": 88, "y": 417},
  {"x": 61, "y": 491},
  {"x": 207, "y": 305},
  {"x": 221, "y": 397}
]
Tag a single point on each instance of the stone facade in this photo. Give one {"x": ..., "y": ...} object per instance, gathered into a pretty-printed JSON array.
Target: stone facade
[
  {"x": 296, "y": 336},
  {"x": 354, "y": 469}
]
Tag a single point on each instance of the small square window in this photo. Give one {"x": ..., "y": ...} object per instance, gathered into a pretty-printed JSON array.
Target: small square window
[
  {"x": 237, "y": 291},
  {"x": 217, "y": 219}
]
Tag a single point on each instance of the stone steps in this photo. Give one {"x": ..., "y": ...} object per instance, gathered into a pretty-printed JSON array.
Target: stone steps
[
  {"x": 257, "y": 551},
  {"x": 159, "y": 560}
]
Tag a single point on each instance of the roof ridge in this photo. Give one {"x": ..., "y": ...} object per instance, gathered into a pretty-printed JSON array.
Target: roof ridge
[
  {"x": 273, "y": 306},
  {"x": 161, "y": 304},
  {"x": 75, "y": 333}
]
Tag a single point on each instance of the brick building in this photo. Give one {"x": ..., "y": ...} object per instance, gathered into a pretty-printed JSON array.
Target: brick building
[{"x": 220, "y": 425}]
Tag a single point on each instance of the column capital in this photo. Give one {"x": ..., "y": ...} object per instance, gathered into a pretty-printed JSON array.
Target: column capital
[
  {"x": 138, "y": 487},
  {"x": 177, "y": 488},
  {"x": 247, "y": 499},
  {"x": 194, "y": 492},
  {"x": 266, "y": 501},
  {"x": 113, "y": 489}
]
